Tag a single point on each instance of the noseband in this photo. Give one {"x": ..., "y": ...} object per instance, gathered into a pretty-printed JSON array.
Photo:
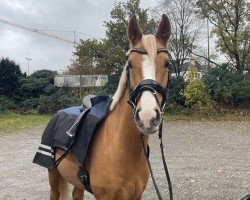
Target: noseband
[{"x": 146, "y": 85}]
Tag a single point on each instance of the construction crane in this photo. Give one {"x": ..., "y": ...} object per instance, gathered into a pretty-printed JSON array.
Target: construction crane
[{"x": 37, "y": 31}]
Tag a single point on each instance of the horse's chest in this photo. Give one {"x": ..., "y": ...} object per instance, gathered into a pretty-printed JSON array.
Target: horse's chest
[
  {"x": 122, "y": 190},
  {"x": 119, "y": 183}
]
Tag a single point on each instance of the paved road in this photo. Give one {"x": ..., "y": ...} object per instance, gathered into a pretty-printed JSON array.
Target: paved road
[{"x": 207, "y": 161}]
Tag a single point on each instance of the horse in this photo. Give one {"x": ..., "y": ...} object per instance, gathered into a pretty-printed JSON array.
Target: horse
[{"x": 116, "y": 162}]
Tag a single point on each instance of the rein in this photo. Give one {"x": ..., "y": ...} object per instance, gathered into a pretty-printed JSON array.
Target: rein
[{"x": 134, "y": 96}]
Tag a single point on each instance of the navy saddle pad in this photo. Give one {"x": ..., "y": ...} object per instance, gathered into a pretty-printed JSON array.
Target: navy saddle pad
[{"x": 75, "y": 125}]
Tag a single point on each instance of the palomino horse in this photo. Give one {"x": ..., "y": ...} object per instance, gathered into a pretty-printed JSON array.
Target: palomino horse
[{"x": 116, "y": 163}]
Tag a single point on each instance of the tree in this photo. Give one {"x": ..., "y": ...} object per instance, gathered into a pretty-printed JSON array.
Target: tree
[
  {"x": 230, "y": 20},
  {"x": 44, "y": 74},
  {"x": 41, "y": 82},
  {"x": 116, "y": 40},
  {"x": 108, "y": 55},
  {"x": 10, "y": 74},
  {"x": 89, "y": 58},
  {"x": 186, "y": 29}
]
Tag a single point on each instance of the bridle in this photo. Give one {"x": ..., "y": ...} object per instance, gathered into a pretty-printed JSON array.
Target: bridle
[
  {"x": 146, "y": 85},
  {"x": 134, "y": 95}
]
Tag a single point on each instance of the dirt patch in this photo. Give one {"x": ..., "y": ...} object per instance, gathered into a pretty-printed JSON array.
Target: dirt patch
[{"x": 206, "y": 160}]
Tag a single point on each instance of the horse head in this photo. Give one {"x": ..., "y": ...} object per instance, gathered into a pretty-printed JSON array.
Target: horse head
[{"x": 146, "y": 75}]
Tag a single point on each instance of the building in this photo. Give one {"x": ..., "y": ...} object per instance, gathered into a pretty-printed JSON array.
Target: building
[
  {"x": 84, "y": 81},
  {"x": 191, "y": 69}
]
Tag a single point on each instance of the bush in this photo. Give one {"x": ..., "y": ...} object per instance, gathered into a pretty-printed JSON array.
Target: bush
[
  {"x": 176, "y": 88},
  {"x": 197, "y": 97},
  {"x": 226, "y": 85},
  {"x": 6, "y": 104},
  {"x": 28, "y": 104},
  {"x": 53, "y": 103},
  {"x": 37, "y": 84},
  {"x": 240, "y": 92}
]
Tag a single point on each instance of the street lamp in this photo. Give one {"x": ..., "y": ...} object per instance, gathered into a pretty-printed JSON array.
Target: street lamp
[{"x": 28, "y": 59}]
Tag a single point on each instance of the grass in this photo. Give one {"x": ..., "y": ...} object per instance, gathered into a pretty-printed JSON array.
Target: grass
[{"x": 13, "y": 122}]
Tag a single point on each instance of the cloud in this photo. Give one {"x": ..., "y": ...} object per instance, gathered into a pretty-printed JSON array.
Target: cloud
[{"x": 84, "y": 16}]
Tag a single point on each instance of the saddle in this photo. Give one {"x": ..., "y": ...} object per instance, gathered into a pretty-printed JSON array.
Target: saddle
[{"x": 73, "y": 129}]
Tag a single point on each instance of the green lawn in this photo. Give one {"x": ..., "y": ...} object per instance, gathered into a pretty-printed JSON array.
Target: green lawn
[{"x": 12, "y": 122}]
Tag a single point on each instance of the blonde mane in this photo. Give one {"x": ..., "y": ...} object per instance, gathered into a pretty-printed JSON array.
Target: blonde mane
[{"x": 148, "y": 44}]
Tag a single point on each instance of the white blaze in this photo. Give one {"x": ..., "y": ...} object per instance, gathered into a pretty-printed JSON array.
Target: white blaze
[{"x": 148, "y": 101}]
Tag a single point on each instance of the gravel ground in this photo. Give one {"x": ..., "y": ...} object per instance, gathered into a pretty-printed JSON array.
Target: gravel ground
[{"x": 206, "y": 160}]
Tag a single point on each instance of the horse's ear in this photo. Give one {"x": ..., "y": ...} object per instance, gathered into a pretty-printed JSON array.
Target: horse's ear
[
  {"x": 134, "y": 31},
  {"x": 164, "y": 30}
]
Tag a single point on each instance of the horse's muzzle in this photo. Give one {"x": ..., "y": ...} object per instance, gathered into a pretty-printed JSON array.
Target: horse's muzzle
[{"x": 148, "y": 125}]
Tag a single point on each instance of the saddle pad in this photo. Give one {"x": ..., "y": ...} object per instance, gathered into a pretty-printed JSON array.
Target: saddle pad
[{"x": 80, "y": 123}]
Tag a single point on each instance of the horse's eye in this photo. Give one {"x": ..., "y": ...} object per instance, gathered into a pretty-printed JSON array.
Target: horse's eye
[
  {"x": 130, "y": 64},
  {"x": 167, "y": 64}
]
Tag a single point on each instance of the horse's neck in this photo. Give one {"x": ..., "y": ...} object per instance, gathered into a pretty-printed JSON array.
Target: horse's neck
[{"x": 124, "y": 133}]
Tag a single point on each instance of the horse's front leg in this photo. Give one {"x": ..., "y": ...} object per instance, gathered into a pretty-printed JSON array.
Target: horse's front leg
[
  {"x": 54, "y": 184},
  {"x": 77, "y": 193}
]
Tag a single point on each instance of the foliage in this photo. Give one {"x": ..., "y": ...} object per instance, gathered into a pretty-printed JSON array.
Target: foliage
[
  {"x": 231, "y": 25},
  {"x": 116, "y": 31},
  {"x": 28, "y": 104},
  {"x": 53, "y": 103},
  {"x": 197, "y": 98},
  {"x": 46, "y": 74},
  {"x": 89, "y": 58},
  {"x": 176, "y": 88},
  {"x": 241, "y": 92},
  {"x": 10, "y": 74},
  {"x": 6, "y": 104},
  {"x": 108, "y": 55},
  {"x": 196, "y": 95},
  {"x": 39, "y": 83},
  {"x": 226, "y": 85}
]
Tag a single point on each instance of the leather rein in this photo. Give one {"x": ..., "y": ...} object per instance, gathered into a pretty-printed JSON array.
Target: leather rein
[{"x": 134, "y": 95}]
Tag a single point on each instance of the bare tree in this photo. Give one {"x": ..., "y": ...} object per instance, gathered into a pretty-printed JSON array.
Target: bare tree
[
  {"x": 231, "y": 25},
  {"x": 187, "y": 29}
]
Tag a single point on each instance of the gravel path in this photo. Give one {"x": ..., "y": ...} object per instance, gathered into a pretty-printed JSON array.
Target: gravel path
[{"x": 206, "y": 160}]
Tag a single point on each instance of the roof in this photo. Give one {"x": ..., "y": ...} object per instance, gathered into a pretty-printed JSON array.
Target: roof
[{"x": 196, "y": 64}]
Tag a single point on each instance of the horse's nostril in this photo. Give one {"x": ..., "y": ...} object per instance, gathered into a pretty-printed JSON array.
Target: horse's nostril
[
  {"x": 137, "y": 118},
  {"x": 158, "y": 115}
]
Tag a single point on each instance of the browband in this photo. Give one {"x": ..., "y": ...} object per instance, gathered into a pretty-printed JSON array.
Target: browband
[{"x": 142, "y": 51}]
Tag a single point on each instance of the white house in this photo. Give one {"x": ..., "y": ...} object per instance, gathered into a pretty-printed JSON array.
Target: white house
[{"x": 192, "y": 68}]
